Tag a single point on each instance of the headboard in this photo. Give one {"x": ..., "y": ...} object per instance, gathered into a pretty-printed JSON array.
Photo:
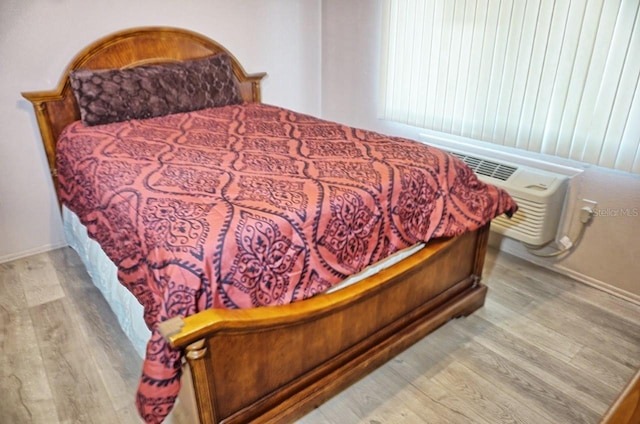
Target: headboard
[{"x": 57, "y": 108}]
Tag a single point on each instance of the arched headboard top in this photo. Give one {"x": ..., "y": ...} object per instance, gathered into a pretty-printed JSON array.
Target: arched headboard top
[
  {"x": 57, "y": 108},
  {"x": 143, "y": 46}
]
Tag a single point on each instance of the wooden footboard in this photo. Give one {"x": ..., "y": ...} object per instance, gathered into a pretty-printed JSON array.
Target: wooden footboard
[{"x": 275, "y": 364}]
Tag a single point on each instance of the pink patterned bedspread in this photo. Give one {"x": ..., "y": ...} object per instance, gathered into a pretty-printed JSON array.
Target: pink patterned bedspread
[{"x": 253, "y": 205}]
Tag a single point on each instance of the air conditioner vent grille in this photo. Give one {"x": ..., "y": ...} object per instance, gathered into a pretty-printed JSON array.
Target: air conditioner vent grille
[
  {"x": 487, "y": 168},
  {"x": 539, "y": 193}
]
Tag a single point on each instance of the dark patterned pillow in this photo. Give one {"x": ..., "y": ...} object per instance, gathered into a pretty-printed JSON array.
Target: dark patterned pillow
[{"x": 112, "y": 95}]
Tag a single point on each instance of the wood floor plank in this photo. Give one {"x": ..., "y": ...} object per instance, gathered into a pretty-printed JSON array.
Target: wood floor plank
[
  {"x": 372, "y": 399},
  {"x": 11, "y": 389},
  {"x": 16, "y": 328},
  {"x": 550, "y": 312},
  {"x": 573, "y": 289},
  {"x": 78, "y": 391},
  {"x": 599, "y": 338},
  {"x": 545, "y": 338},
  {"x": 484, "y": 398},
  {"x": 515, "y": 298},
  {"x": 26, "y": 396},
  {"x": 552, "y": 286},
  {"x": 592, "y": 394},
  {"x": 387, "y": 397},
  {"x": 38, "y": 279},
  {"x": 11, "y": 293},
  {"x": 508, "y": 376},
  {"x": 603, "y": 300},
  {"x": 605, "y": 369},
  {"x": 478, "y": 397},
  {"x": 612, "y": 323},
  {"x": 445, "y": 402}
]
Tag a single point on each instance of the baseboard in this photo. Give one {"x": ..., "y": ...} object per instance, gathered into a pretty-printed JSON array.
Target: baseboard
[
  {"x": 514, "y": 248},
  {"x": 30, "y": 252},
  {"x": 601, "y": 285}
]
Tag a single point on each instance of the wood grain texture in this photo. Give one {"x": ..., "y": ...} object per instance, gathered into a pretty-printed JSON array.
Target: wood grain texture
[
  {"x": 26, "y": 395},
  {"x": 39, "y": 281},
  {"x": 72, "y": 375},
  {"x": 513, "y": 361}
]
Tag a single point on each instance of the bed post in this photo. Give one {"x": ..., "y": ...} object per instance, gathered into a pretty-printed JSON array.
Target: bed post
[
  {"x": 202, "y": 385},
  {"x": 42, "y": 117},
  {"x": 481, "y": 252},
  {"x": 40, "y": 102},
  {"x": 478, "y": 290}
]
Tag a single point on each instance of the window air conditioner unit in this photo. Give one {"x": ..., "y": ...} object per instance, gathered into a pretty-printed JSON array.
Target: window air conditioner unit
[{"x": 540, "y": 196}]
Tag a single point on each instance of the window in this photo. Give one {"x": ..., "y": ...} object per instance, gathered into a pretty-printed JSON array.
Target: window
[{"x": 550, "y": 76}]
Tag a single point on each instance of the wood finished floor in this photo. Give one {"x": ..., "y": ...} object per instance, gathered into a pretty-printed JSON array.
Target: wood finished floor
[{"x": 544, "y": 349}]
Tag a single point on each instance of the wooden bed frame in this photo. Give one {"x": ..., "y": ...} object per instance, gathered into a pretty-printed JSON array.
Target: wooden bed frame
[{"x": 275, "y": 364}]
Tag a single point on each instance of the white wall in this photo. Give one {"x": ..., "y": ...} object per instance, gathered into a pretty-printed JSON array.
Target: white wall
[
  {"x": 608, "y": 255},
  {"x": 39, "y": 38}
]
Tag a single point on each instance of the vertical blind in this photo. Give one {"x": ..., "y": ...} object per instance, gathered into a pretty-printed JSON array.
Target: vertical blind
[{"x": 559, "y": 77}]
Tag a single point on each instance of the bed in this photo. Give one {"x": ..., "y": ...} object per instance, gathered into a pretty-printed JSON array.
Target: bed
[{"x": 264, "y": 359}]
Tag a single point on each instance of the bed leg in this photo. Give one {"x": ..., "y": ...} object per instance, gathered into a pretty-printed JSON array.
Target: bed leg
[{"x": 204, "y": 390}]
